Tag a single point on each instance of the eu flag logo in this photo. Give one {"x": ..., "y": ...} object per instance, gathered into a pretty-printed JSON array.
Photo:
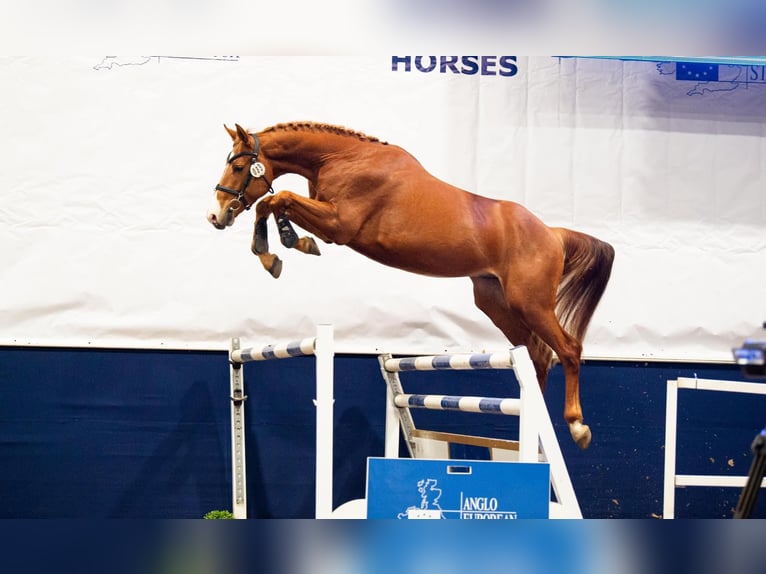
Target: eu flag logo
[{"x": 696, "y": 72}]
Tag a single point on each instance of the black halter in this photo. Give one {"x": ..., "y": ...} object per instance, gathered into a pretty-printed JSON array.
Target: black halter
[{"x": 256, "y": 171}]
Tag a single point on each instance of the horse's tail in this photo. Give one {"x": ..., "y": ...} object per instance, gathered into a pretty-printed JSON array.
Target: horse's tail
[{"x": 587, "y": 267}]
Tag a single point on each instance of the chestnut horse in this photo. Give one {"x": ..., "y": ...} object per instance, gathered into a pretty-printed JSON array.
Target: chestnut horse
[{"x": 539, "y": 285}]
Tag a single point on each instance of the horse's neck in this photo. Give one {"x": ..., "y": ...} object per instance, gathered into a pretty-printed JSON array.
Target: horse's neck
[{"x": 297, "y": 152}]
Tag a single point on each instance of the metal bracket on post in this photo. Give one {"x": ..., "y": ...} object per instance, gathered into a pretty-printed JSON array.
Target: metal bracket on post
[
  {"x": 238, "y": 398},
  {"x": 396, "y": 415}
]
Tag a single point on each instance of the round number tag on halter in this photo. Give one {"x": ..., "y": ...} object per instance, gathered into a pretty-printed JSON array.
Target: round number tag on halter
[{"x": 257, "y": 169}]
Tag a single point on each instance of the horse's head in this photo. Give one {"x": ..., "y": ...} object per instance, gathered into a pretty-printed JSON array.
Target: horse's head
[{"x": 245, "y": 179}]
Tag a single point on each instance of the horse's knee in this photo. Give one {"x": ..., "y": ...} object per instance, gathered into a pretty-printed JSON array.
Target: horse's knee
[
  {"x": 264, "y": 208},
  {"x": 569, "y": 354}
]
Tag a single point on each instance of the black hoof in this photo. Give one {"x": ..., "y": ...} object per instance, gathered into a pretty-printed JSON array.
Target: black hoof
[
  {"x": 276, "y": 268},
  {"x": 313, "y": 249},
  {"x": 286, "y": 232}
]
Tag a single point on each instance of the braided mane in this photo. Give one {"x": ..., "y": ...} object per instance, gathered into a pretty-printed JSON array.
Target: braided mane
[{"x": 319, "y": 127}]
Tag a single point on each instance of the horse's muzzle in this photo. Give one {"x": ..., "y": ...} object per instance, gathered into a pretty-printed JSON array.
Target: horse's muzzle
[
  {"x": 218, "y": 224},
  {"x": 227, "y": 216}
]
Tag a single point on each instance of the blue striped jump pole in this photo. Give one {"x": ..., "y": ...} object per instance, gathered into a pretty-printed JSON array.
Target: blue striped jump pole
[
  {"x": 465, "y": 404},
  {"x": 516, "y": 358},
  {"x": 301, "y": 348},
  {"x": 453, "y": 362}
]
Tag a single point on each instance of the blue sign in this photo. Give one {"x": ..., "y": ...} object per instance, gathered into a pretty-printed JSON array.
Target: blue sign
[{"x": 456, "y": 489}]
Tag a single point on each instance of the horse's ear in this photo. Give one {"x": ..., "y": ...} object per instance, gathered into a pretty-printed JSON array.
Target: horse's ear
[
  {"x": 242, "y": 133},
  {"x": 231, "y": 132}
]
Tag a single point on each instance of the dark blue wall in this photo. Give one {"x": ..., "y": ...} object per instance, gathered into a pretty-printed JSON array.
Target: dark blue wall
[{"x": 115, "y": 433}]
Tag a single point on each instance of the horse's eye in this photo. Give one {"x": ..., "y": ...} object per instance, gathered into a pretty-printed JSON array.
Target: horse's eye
[{"x": 237, "y": 168}]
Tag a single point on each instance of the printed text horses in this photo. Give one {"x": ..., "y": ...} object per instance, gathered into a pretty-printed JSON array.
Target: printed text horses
[{"x": 539, "y": 285}]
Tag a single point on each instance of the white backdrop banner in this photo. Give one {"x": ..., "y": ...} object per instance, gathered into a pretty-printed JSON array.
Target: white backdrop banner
[{"x": 109, "y": 166}]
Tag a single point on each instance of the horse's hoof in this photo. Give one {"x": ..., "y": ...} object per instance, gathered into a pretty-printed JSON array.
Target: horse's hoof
[
  {"x": 276, "y": 268},
  {"x": 286, "y": 232},
  {"x": 580, "y": 433},
  {"x": 311, "y": 246}
]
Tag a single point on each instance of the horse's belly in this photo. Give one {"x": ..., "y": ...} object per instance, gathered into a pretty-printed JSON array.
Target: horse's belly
[{"x": 447, "y": 262}]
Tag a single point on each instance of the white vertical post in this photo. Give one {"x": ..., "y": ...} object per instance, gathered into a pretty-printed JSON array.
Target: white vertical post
[
  {"x": 671, "y": 422},
  {"x": 567, "y": 506},
  {"x": 324, "y": 355},
  {"x": 528, "y": 428}
]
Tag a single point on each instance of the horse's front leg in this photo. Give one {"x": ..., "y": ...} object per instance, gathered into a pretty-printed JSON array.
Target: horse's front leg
[
  {"x": 290, "y": 239},
  {"x": 287, "y": 235},
  {"x": 317, "y": 217},
  {"x": 260, "y": 243}
]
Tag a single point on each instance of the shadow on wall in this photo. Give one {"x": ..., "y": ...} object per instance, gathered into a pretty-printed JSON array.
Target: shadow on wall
[
  {"x": 187, "y": 458},
  {"x": 355, "y": 440}
]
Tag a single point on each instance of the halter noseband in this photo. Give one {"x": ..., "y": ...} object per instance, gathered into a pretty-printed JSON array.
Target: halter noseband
[{"x": 256, "y": 171}]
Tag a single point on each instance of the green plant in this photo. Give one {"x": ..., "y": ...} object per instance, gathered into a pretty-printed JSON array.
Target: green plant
[{"x": 219, "y": 515}]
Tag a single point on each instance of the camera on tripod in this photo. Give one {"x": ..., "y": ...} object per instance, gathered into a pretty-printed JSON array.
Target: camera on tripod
[{"x": 751, "y": 356}]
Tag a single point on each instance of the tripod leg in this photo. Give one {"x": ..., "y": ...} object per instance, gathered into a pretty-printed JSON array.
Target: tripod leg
[{"x": 750, "y": 492}]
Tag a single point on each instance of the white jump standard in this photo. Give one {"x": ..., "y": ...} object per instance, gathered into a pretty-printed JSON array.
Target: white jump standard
[
  {"x": 537, "y": 438},
  {"x": 321, "y": 347},
  {"x": 672, "y": 479}
]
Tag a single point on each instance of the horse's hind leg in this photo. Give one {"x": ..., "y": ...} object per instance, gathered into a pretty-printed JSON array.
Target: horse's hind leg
[
  {"x": 490, "y": 299},
  {"x": 539, "y": 314}
]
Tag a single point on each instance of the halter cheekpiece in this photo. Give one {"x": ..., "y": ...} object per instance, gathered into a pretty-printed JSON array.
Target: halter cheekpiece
[{"x": 257, "y": 170}]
